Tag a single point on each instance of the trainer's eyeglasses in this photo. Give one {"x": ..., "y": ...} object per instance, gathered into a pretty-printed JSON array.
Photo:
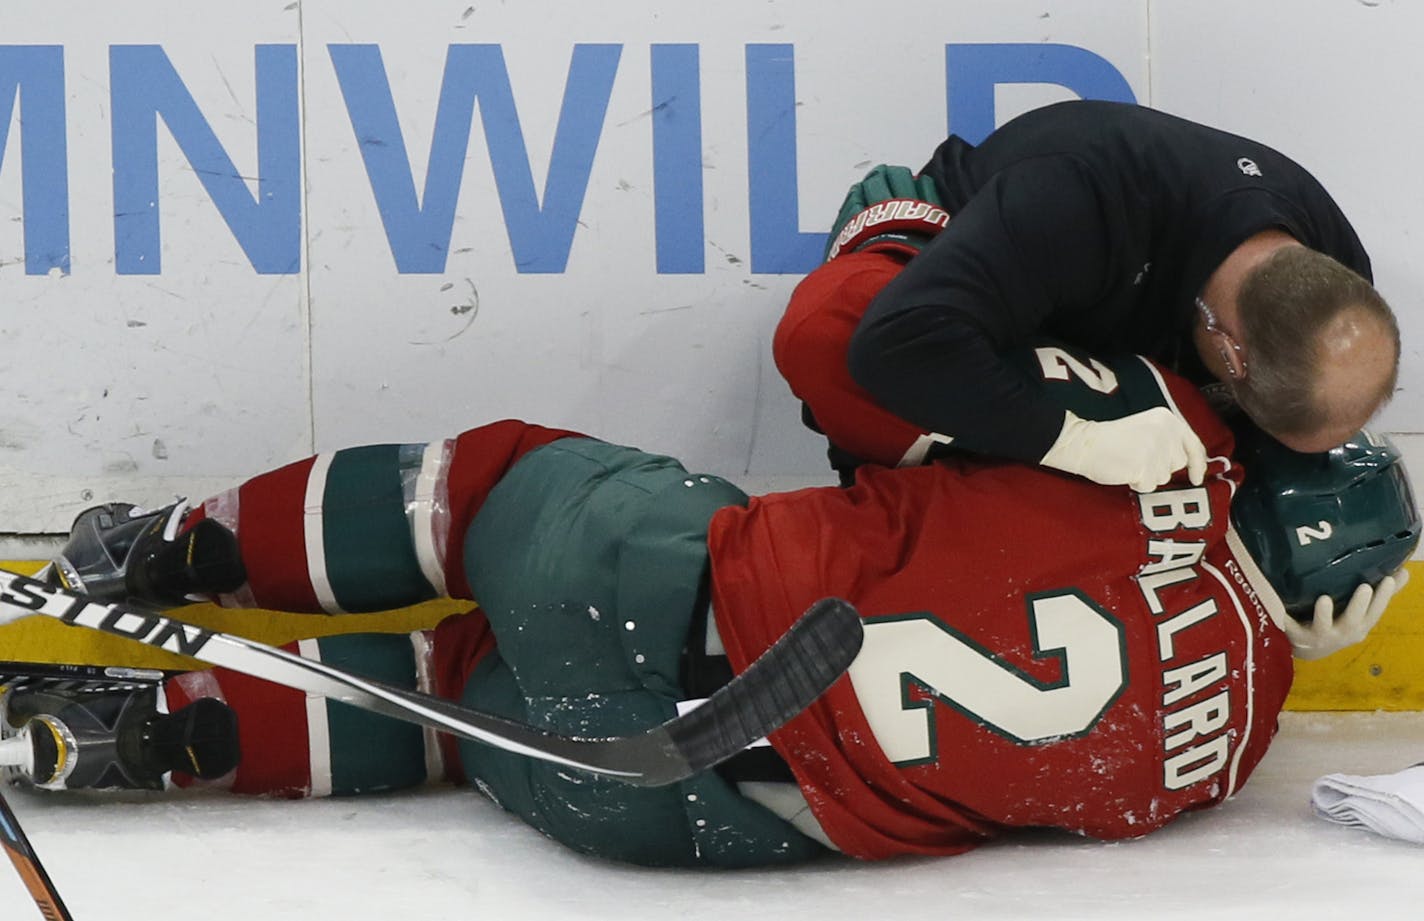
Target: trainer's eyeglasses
[{"x": 1232, "y": 352}]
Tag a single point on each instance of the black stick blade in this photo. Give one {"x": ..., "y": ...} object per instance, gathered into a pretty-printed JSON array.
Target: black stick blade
[{"x": 783, "y": 681}]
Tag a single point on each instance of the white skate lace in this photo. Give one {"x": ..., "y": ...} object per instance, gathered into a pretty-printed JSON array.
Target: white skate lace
[{"x": 176, "y": 515}]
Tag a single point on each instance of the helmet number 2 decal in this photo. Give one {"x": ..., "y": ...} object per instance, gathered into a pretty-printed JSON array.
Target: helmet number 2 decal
[
  {"x": 1306, "y": 533},
  {"x": 908, "y": 650}
]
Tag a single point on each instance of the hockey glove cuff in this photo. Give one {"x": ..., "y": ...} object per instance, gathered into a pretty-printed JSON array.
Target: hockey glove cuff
[{"x": 891, "y": 208}]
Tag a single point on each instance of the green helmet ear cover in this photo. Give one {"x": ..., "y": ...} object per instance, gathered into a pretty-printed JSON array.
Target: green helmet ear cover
[{"x": 1322, "y": 524}]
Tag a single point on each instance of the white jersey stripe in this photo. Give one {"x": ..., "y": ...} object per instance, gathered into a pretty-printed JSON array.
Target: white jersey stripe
[
  {"x": 430, "y": 513},
  {"x": 423, "y": 649},
  {"x": 1248, "y": 670},
  {"x": 312, "y": 534},
  {"x": 318, "y": 729}
]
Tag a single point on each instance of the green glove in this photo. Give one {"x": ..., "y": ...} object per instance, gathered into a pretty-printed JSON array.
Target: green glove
[{"x": 891, "y": 208}]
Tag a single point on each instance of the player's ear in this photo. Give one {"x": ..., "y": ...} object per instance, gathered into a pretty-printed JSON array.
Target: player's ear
[{"x": 1233, "y": 354}]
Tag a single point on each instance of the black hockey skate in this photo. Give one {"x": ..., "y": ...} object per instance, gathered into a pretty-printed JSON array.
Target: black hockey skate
[
  {"x": 79, "y": 727},
  {"x": 118, "y": 552}
]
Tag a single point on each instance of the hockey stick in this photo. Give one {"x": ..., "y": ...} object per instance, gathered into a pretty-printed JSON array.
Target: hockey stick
[
  {"x": 32, "y": 872},
  {"x": 782, "y": 682},
  {"x": 15, "y": 672}
]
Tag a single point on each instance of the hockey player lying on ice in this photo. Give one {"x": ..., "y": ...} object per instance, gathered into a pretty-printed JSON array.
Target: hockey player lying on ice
[{"x": 1022, "y": 625}]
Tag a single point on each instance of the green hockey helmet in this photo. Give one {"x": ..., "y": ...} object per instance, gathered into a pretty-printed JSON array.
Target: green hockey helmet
[{"x": 1321, "y": 524}]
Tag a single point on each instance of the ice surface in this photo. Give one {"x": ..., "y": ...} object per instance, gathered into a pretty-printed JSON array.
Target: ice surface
[{"x": 448, "y": 854}]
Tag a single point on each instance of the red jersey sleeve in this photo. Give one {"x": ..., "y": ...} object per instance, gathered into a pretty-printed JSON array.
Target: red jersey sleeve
[{"x": 810, "y": 346}]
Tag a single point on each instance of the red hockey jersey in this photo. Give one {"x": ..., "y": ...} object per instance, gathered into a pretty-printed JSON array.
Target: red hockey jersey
[{"x": 1040, "y": 650}]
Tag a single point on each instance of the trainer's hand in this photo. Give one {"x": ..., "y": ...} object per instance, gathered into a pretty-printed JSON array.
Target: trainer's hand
[
  {"x": 1325, "y": 633},
  {"x": 1142, "y": 450}
]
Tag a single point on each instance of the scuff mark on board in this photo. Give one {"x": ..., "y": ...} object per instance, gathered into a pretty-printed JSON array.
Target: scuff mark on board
[
  {"x": 646, "y": 112},
  {"x": 656, "y": 310},
  {"x": 469, "y": 308}
]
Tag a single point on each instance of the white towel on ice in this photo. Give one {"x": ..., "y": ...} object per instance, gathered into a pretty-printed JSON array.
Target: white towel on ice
[{"x": 1387, "y": 804}]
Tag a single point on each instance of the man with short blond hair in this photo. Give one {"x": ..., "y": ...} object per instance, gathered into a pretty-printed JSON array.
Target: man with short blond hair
[{"x": 1323, "y": 349}]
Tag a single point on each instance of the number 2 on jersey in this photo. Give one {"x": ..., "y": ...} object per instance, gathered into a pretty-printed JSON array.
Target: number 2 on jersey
[{"x": 917, "y": 649}]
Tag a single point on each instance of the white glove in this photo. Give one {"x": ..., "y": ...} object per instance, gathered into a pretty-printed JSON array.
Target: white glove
[
  {"x": 1142, "y": 450},
  {"x": 1327, "y": 633}
]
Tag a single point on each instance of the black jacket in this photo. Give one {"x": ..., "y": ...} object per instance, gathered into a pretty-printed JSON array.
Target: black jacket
[{"x": 1096, "y": 223}]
